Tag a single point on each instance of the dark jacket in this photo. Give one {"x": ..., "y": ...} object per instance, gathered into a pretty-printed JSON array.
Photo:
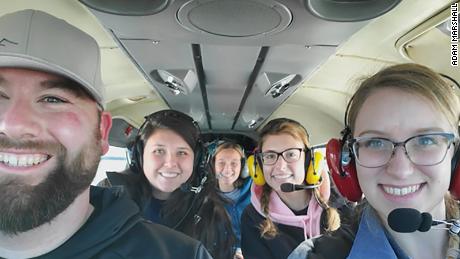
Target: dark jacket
[
  {"x": 256, "y": 247},
  {"x": 115, "y": 229},
  {"x": 200, "y": 215},
  {"x": 334, "y": 245}
]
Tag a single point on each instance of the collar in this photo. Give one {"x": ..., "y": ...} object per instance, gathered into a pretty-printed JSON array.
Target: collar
[{"x": 372, "y": 241}]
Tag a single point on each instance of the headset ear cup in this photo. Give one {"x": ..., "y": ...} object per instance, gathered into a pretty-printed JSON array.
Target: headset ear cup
[
  {"x": 313, "y": 175},
  {"x": 454, "y": 187},
  {"x": 344, "y": 175},
  {"x": 137, "y": 156},
  {"x": 244, "y": 173},
  {"x": 199, "y": 165},
  {"x": 255, "y": 171}
]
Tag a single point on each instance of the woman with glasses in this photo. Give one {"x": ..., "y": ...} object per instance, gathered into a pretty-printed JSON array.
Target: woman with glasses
[
  {"x": 402, "y": 132},
  {"x": 276, "y": 222},
  {"x": 168, "y": 178}
]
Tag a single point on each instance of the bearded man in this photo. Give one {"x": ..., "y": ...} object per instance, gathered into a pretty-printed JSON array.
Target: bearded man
[{"x": 53, "y": 131}]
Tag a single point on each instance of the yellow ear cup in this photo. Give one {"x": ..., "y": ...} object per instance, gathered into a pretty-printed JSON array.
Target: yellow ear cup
[
  {"x": 314, "y": 170},
  {"x": 255, "y": 171}
]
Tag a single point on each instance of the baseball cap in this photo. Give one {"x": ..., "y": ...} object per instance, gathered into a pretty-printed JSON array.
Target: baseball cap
[{"x": 36, "y": 40}]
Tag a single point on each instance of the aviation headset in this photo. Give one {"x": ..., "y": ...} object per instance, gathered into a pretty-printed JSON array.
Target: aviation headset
[
  {"x": 312, "y": 163},
  {"x": 185, "y": 127},
  {"x": 341, "y": 163}
]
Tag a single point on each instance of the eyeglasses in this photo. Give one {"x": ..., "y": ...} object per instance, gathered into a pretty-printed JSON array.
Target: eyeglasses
[
  {"x": 423, "y": 150},
  {"x": 289, "y": 155}
]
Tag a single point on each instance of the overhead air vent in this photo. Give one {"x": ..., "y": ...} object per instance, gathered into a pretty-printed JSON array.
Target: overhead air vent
[
  {"x": 277, "y": 84},
  {"x": 128, "y": 8},
  {"x": 177, "y": 81},
  {"x": 236, "y": 18},
  {"x": 349, "y": 10},
  {"x": 279, "y": 87},
  {"x": 255, "y": 122}
]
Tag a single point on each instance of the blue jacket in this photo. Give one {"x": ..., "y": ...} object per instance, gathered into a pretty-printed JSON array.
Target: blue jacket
[
  {"x": 235, "y": 208},
  {"x": 373, "y": 241}
]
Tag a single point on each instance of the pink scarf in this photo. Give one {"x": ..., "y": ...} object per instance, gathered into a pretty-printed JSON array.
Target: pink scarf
[{"x": 280, "y": 213}]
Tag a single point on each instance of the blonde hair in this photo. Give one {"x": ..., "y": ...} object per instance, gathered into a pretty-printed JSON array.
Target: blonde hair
[
  {"x": 297, "y": 131},
  {"x": 452, "y": 212},
  {"x": 422, "y": 81},
  {"x": 229, "y": 145},
  {"x": 411, "y": 78}
]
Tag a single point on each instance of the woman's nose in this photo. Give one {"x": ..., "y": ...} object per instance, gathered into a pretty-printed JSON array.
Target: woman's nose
[
  {"x": 400, "y": 165},
  {"x": 171, "y": 160}
]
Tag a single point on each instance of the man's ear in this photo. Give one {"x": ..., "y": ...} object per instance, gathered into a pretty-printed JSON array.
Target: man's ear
[{"x": 104, "y": 128}]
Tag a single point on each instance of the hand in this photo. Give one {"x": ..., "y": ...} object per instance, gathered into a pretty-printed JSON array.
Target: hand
[{"x": 238, "y": 254}]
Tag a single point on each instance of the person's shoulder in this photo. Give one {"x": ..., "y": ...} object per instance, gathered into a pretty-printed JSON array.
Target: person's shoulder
[
  {"x": 333, "y": 245},
  {"x": 249, "y": 210},
  {"x": 123, "y": 178},
  {"x": 149, "y": 240},
  {"x": 250, "y": 215}
]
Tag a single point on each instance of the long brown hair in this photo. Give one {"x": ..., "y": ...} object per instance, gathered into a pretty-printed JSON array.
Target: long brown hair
[
  {"x": 200, "y": 215},
  {"x": 297, "y": 131}
]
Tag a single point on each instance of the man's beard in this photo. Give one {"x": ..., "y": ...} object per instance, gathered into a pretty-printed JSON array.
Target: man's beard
[{"x": 24, "y": 207}]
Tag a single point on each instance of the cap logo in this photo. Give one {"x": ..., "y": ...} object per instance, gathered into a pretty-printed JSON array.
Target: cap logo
[{"x": 4, "y": 41}]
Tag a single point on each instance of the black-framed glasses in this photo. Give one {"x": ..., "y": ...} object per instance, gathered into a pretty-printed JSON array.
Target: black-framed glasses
[
  {"x": 289, "y": 155},
  {"x": 424, "y": 150}
]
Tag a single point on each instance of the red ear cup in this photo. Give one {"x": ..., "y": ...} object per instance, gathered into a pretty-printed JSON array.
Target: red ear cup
[
  {"x": 455, "y": 184},
  {"x": 343, "y": 174},
  {"x": 454, "y": 187}
]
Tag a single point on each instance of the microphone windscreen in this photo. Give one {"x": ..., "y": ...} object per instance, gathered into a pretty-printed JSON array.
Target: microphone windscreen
[
  {"x": 287, "y": 187},
  {"x": 404, "y": 220},
  {"x": 426, "y": 223}
]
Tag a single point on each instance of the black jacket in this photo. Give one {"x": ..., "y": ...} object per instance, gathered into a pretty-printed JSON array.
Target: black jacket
[
  {"x": 335, "y": 245},
  {"x": 200, "y": 215},
  {"x": 115, "y": 229},
  {"x": 256, "y": 247}
]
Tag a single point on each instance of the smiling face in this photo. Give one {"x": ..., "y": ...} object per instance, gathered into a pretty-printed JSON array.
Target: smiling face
[
  {"x": 167, "y": 162},
  {"x": 51, "y": 140},
  {"x": 398, "y": 115},
  {"x": 227, "y": 168},
  {"x": 281, "y": 171}
]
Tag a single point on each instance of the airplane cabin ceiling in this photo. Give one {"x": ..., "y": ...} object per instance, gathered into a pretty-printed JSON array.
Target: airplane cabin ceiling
[
  {"x": 229, "y": 63},
  {"x": 254, "y": 61}
]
